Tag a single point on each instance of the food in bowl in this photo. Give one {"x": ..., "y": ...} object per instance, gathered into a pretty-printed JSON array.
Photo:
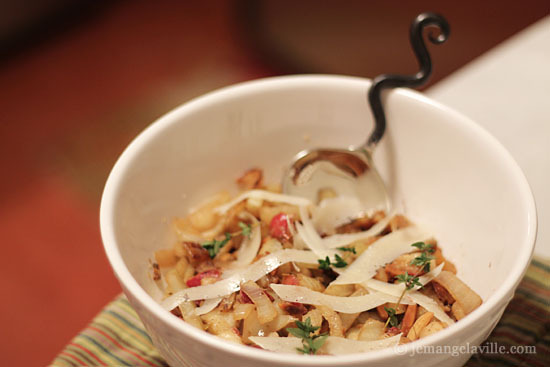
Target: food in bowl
[
  {"x": 284, "y": 274},
  {"x": 439, "y": 165}
]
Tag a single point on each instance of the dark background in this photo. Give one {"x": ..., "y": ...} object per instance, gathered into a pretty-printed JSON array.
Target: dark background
[{"x": 79, "y": 79}]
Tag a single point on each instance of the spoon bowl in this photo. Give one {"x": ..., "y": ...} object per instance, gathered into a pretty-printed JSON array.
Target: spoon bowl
[
  {"x": 344, "y": 173},
  {"x": 351, "y": 172}
]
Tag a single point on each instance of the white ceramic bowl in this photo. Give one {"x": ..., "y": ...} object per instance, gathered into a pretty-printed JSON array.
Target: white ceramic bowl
[{"x": 441, "y": 168}]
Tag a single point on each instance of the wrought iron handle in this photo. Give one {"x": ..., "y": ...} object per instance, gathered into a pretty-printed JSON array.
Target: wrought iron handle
[{"x": 385, "y": 81}]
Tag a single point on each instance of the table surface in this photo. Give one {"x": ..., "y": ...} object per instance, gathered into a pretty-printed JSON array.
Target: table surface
[{"x": 507, "y": 91}]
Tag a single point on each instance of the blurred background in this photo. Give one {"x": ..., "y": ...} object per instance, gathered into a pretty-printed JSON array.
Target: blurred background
[{"x": 79, "y": 79}]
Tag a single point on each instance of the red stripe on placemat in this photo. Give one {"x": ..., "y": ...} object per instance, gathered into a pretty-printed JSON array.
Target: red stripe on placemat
[
  {"x": 510, "y": 335},
  {"x": 67, "y": 354},
  {"x": 120, "y": 345},
  {"x": 535, "y": 286},
  {"x": 89, "y": 352},
  {"x": 526, "y": 309}
]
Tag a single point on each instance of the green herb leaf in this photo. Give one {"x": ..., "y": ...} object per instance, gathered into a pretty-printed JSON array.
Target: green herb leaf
[
  {"x": 403, "y": 278},
  {"x": 409, "y": 280},
  {"x": 340, "y": 263},
  {"x": 422, "y": 246},
  {"x": 306, "y": 326},
  {"x": 246, "y": 229},
  {"x": 349, "y": 249},
  {"x": 422, "y": 261},
  {"x": 415, "y": 282},
  {"x": 304, "y": 329},
  {"x": 392, "y": 317},
  {"x": 214, "y": 246},
  {"x": 318, "y": 342},
  {"x": 311, "y": 344},
  {"x": 324, "y": 264},
  {"x": 299, "y": 333}
]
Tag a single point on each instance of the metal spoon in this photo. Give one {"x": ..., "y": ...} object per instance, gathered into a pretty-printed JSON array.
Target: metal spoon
[{"x": 351, "y": 172}]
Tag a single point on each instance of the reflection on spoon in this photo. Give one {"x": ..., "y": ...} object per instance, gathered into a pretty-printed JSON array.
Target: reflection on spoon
[{"x": 343, "y": 173}]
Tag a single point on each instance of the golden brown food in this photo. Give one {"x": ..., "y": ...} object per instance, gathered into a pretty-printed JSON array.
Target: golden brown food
[{"x": 254, "y": 269}]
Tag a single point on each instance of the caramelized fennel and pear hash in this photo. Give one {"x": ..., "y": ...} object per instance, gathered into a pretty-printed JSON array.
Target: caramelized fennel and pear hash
[{"x": 284, "y": 274}]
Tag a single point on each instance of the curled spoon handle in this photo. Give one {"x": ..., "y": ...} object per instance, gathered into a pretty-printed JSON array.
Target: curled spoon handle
[{"x": 386, "y": 81}]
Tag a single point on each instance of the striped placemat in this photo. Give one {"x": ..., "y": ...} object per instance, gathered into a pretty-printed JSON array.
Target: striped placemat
[
  {"x": 523, "y": 332},
  {"x": 116, "y": 337}
]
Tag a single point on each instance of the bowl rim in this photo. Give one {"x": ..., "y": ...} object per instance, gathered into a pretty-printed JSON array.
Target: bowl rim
[{"x": 265, "y": 85}]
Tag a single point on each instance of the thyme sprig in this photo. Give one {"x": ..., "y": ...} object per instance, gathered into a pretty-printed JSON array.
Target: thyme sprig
[
  {"x": 246, "y": 229},
  {"x": 311, "y": 343},
  {"x": 392, "y": 317},
  {"x": 410, "y": 281},
  {"x": 337, "y": 263},
  {"x": 340, "y": 263},
  {"x": 214, "y": 246},
  {"x": 349, "y": 249},
  {"x": 422, "y": 246},
  {"x": 423, "y": 262},
  {"x": 324, "y": 264}
]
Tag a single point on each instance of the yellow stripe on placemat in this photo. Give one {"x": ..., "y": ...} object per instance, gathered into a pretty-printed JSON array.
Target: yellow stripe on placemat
[
  {"x": 116, "y": 337},
  {"x": 522, "y": 337}
]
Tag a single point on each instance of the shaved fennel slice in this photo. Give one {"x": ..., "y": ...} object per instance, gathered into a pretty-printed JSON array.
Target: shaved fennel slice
[
  {"x": 313, "y": 242},
  {"x": 232, "y": 284},
  {"x": 414, "y": 297},
  {"x": 339, "y": 240},
  {"x": 333, "y": 345},
  {"x": 263, "y": 195},
  {"x": 214, "y": 231},
  {"x": 250, "y": 245},
  {"x": 431, "y": 305},
  {"x": 311, "y": 238},
  {"x": 278, "y": 344},
  {"x": 208, "y": 306},
  {"x": 381, "y": 252},
  {"x": 397, "y": 289},
  {"x": 294, "y": 293}
]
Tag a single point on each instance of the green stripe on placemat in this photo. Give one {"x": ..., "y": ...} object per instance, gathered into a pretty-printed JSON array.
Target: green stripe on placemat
[
  {"x": 523, "y": 333},
  {"x": 116, "y": 337}
]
